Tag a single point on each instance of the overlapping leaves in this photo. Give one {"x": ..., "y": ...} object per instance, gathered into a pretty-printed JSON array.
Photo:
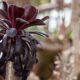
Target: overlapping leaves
[
  {"x": 17, "y": 45},
  {"x": 20, "y": 18}
]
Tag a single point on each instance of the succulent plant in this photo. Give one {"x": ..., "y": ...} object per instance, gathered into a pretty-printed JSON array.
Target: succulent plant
[{"x": 18, "y": 45}]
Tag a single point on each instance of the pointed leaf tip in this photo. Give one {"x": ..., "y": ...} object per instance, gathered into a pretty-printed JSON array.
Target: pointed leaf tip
[{"x": 47, "y": 17}]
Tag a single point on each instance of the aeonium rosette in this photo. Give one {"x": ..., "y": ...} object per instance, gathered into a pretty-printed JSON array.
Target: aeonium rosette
[{"x": 18, "y": 45}]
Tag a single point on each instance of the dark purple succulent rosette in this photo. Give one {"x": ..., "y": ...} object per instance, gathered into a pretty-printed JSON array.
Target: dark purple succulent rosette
[{"x": 18, "y": 45}]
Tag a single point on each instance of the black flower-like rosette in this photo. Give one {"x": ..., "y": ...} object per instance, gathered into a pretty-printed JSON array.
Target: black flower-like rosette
[{"x": 18, "y": 45}]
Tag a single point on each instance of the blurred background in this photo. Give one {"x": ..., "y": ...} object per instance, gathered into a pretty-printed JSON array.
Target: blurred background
[{"x": 59, "y": 55}]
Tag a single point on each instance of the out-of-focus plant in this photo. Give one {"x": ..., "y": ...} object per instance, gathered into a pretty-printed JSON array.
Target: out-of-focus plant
[
  {"x": 17, "y": 44},
  {"x": 39, "y": 2}
]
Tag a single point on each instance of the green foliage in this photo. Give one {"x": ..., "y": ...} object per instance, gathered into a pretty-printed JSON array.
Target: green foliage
[
  {"x": 39, "y": 2},
  {"x": 55, "y": 33},
  {"x": 35, "y": 2}
]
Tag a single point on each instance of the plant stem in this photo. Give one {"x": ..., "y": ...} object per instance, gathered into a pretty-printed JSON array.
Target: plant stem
[{"x": 9, "y": 71}]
